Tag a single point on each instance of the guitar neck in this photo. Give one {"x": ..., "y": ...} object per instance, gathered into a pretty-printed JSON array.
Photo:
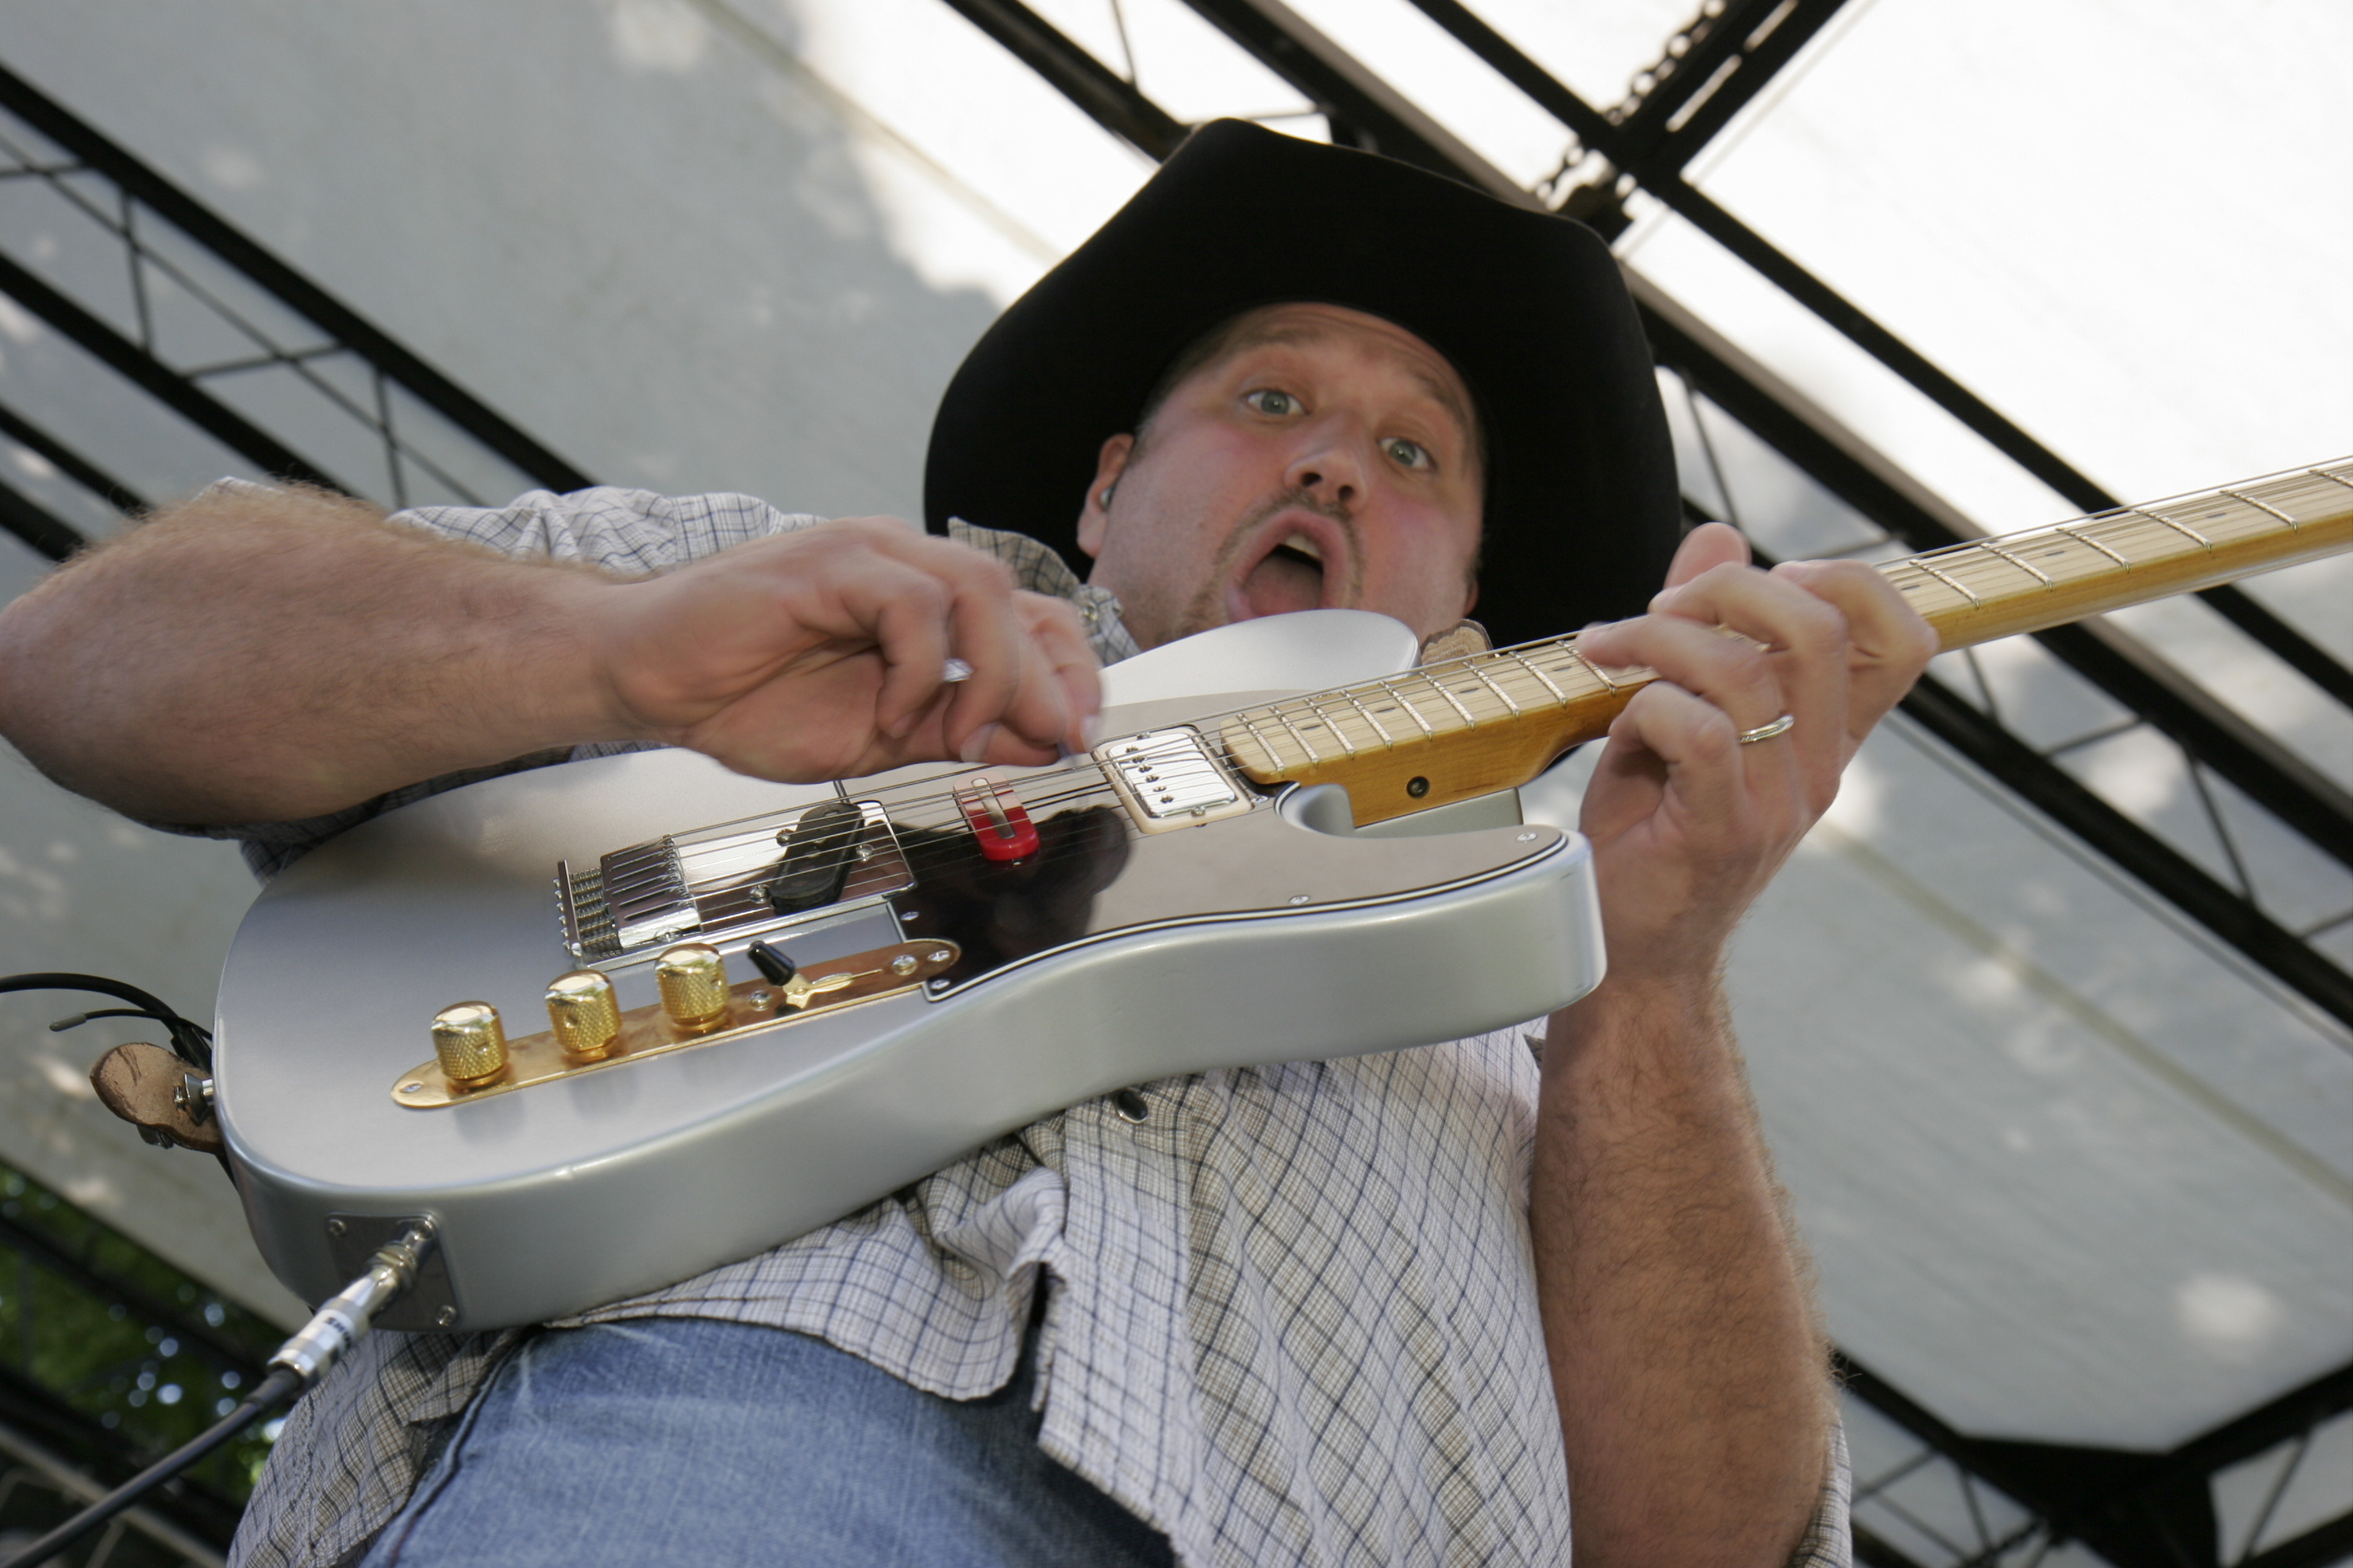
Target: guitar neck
[{"x": 1470, "y": 726}]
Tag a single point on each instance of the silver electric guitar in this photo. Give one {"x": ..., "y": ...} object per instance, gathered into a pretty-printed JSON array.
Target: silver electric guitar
[{"x": 613, "y": 1022}]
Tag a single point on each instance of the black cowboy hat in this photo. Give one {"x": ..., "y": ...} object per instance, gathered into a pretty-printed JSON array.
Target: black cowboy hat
[{"x": 1582, "y": 512}]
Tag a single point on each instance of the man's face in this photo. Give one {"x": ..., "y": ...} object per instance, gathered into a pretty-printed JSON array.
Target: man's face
[{"x": 1325, "y": 459}]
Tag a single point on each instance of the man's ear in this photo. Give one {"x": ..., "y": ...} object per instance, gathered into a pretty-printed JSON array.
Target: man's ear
[{"x": 1094, "y": 514}]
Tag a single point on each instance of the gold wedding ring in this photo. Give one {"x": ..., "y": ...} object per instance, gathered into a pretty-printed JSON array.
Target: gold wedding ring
[{"x": 1781, "y": 726}]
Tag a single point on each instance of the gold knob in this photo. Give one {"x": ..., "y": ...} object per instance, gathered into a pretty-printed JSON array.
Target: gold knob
[
  {"x": 471, "y": 1047},
  {"x": 586, "y": 1019},
  {"x": 694, "y": 983}
]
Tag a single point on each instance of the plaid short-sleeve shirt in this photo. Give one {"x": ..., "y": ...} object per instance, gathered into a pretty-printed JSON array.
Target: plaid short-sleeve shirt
[{"x": 1291, "y": 1314}]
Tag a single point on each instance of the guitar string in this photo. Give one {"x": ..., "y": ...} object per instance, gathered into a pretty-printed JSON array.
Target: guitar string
[
  {"x": 1974, "y": 557},
  {"x": 1480, "y": 699}
]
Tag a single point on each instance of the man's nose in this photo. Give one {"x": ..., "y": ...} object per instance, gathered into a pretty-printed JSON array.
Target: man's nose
[{"x": 1328, "y": 467}]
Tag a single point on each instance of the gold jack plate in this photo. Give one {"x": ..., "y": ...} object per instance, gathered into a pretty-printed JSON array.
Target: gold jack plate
[{"x": 754, "y": 1006}]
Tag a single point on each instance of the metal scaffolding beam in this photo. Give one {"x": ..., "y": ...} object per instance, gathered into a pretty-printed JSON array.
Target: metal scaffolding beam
[
  {"x": 2134, "y": 1509},
  {"x": 2103, "y": 653},
  {"x": 333, "y": 317},
  {"x": 139, "y": 193},
  {"x": 1732, "y": 57}
]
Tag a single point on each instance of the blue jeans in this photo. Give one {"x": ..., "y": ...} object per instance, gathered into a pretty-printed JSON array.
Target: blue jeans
[{"x": 689, "y": 1441}]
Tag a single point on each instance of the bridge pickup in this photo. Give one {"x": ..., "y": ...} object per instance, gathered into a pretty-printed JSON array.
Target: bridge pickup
[{"x": 820, "y": 850}]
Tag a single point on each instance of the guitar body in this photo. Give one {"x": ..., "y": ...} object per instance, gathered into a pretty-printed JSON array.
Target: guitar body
[{"x": 1113, "y": 955}]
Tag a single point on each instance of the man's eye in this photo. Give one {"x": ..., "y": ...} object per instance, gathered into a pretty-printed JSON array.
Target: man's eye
[
  {"x": 1407, "y": 454},
  {"x": 1269, "y": 401}
]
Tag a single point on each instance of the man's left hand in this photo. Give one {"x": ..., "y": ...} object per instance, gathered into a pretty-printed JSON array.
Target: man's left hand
[{"x": 1687, "y": 824}]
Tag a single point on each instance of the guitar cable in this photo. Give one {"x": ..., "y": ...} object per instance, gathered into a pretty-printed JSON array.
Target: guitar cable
[
  {"x": 191, "y": 1042},
  {"x": 297, "y": 1366}
]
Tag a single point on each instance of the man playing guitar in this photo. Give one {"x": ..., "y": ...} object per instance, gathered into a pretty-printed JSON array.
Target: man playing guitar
[{"x": 1447, "y": 1304}]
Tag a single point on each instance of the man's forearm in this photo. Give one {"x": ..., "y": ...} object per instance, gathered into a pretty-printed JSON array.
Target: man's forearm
[
  {"x": 1689, "y": 1374},
  {"x": 270, "y": 655}
]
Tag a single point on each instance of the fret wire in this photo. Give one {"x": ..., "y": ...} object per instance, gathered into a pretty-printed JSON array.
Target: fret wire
[
  {"x": 1452, "y": 701},
  {"x": 1974, "y": 554},
  {"x": 1481, "y": 676},
  {"x": 1379, "y": 728},
  {"x": 2182, "y": 529},
  {"x": 2069, "y": 531},
  {"x": 1962, "y": 589},
  {"x": 1558, "y": 695},
  {"x": 1274, "y": 757},
  {"x": 2332, "y": 478},
  {"x": 1943, "y": 552},
  {"x": 2021, "y": 565},
  {"x": 1458, "y": 707},
  {"x": 1314, "y": 757},
  {"x": 1331, "y": 722},
  {"x": 2264, "y": 505},
  {"x": 1578, "y": 653},
  {"x": 1304, "y": 752},
  {"x": 1404, "y": 702},
  {"x": 1985, "y": 571}
]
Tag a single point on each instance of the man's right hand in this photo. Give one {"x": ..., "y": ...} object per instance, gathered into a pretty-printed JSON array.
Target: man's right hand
[
  {"x": 821, "y": 655},
  {"x": 261, "y": 654}
]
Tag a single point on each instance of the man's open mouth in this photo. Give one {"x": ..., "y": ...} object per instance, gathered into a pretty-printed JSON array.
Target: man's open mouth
[{"x": 1288, "y": 577}]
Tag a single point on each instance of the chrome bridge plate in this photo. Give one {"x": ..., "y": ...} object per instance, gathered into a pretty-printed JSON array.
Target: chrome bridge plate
[
  {"x": 753, "y": 1007},
  {"x": 1169, "y": 779}
]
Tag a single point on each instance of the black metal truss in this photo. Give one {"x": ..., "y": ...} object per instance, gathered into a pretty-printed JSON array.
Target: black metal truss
[
  {"x": 139, "y": 191},
  {"x": 1113, "y": 100},
  {"x": 1730, "y": 57},
  {"x": 1370, "y": 112},
  {"x": 2136, "y": 1510}
]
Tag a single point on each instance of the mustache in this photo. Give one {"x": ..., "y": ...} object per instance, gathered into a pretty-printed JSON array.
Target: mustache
[{"x": 1247, "y": 528}]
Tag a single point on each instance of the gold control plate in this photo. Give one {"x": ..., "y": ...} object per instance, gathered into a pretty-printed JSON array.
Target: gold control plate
[{"x": 754, "y": 1006}]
